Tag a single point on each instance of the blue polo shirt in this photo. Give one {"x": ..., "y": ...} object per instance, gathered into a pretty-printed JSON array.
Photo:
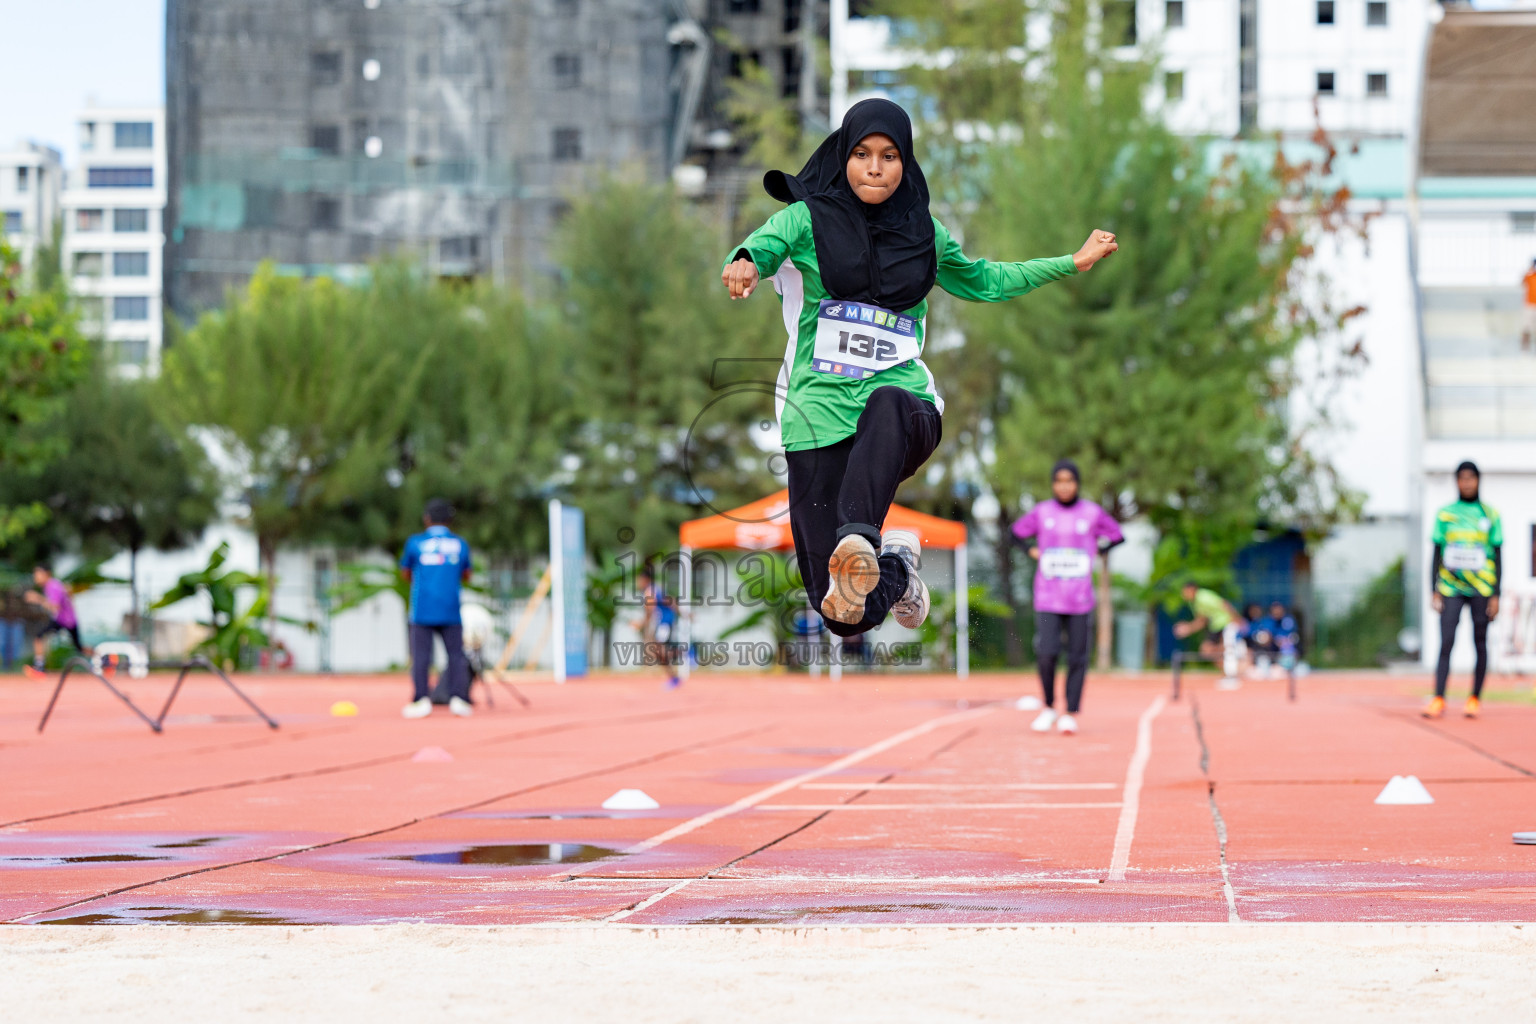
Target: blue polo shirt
[{"x": 437, "y": 561}]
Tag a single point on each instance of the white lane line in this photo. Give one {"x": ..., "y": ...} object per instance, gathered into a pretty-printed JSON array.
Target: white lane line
[
  {"x": 929, "y": 807},
  {"x": 752, "y": 800},
  {"x": 656, "y": 898},
  {"x": 1130, "y": 800},
  {"x": 960, "y": 785}
]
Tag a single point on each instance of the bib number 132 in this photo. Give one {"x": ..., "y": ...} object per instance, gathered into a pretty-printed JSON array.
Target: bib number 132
[{"x": 863, "y": 346}]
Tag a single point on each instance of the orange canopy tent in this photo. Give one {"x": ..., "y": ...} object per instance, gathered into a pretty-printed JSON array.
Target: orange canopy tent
[{"x": 763, "y": 525}]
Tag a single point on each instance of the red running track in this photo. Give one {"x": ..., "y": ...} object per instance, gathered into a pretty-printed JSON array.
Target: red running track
[{"x": 891, "y": 800}]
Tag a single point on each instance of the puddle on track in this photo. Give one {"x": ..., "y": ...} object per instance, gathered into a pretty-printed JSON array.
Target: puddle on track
[
  {"x": 94, "y": 858},
  {"x": 514, "y": 855},
  {"x": 177, "y": 915},
  {"x": 60, "y": 860}
]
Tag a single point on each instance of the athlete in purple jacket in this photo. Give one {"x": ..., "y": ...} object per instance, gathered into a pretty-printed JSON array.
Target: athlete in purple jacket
[{"x": 1066, "y": 532}]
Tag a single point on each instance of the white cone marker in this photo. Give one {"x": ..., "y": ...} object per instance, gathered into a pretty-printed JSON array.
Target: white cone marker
[
  {"x": 432, "y": 755},
  {"x": 630, "y": 800},
  {"x": 1404, "y": 789}
]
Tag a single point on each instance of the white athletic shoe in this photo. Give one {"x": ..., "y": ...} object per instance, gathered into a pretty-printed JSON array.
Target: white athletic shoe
[
  {"x": 1029, "y": 703},
  {"x": 460, "y": 707},
  {"x": 1044, "y": 720},
  {"x": 912, "y": 608},
  {"x": 1066, "y": 725},
  {"x": 418, "y": 708},
  {"x": 853, "y": 571}
]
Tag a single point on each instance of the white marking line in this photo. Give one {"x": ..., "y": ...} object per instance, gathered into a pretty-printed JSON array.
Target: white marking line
[
  {"x": 929, "y": 807},
  {"x": 1130, "y": 801},
  {"x": 709, "y": 817},
  {"x": 959, "y": 785},
  {"x": 658, "y": 897}
]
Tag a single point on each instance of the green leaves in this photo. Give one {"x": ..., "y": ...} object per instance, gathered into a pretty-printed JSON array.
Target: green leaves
[{"x": 234, "y": 630}]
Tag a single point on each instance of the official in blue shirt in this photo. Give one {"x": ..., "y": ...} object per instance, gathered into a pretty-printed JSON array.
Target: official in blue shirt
[{"x": 436, "y": 564}]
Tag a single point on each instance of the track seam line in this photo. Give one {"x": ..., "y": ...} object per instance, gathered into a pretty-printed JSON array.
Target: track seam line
[
  {"x": 327, "y": 770},
  {"x": 663, "y": 755},
  {"x": 1216, "y": 818},
  {"x": 1130, "y": 799},
  {"x": 768, "y": 793},
  {"x": 1495, "y": 758}
]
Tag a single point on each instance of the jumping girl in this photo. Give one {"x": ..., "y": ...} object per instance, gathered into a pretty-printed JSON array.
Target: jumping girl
[{"x": 853, "y": 258}]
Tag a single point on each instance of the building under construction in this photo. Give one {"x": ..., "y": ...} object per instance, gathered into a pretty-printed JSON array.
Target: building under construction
[{"x": 320, "y": 134}]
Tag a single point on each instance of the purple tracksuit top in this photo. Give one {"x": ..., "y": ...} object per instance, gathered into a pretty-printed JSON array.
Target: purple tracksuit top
[{"x": 1068, "y": 537}]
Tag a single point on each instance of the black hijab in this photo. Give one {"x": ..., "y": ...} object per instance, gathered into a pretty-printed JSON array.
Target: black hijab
[
  {"x": 881, "y": 253},
  {"x": 1070, "y": 467},
  {"x": 1470, "y": 467}
]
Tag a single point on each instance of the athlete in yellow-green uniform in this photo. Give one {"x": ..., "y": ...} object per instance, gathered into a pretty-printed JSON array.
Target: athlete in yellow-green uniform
[{"x": 1468, "y": 539}]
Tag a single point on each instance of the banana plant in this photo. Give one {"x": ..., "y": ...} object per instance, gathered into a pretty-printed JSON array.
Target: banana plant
[{"x": 232, "y": 630}]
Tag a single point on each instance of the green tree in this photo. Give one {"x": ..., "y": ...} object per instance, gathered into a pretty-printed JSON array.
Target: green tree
[
  {"x": 1165, "y": 372},
  {"x": 669, "y": 380},
  {"x": 304, "y": 387},
  {"x": 123, "y": 481},
  {"x": 41, "y": 357}
]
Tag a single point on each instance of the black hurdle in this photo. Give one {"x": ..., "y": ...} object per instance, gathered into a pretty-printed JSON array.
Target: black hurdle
[
  {"x": 79, "y": 662},
  {"x": 1180, "y": 657},
  {"x": 201, "y": 662}
]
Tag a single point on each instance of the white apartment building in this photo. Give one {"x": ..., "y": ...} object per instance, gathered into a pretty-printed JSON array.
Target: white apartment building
[
  {"x": 114, "y": 236},
  {"x": 31, "y": 179}
]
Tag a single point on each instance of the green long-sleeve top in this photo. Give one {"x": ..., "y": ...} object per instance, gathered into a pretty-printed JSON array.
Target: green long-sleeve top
[{"x": 818, "y": 409}]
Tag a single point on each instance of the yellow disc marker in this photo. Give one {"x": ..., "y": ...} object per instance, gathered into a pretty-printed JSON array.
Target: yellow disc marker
[{"x": 344, "y": 709}]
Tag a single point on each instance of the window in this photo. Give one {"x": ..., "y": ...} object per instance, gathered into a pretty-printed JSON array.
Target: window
[
  {"x": 744, "y": 6},
  {"x": 792, "y": 14},
  {"x": 133, "y": 135},
  {"x": 1376, "y": 83},
  {"x": 1523, "y": 223},
  {"x": 567, "y": 144},
  {"x": 12, "y": 222},
  {"x": 88, "y": 220},
  {"x": 325, "y": 68},
  {"x": 325, "y": 213},
  {"x": 1174, "y": 17},
  {"x": 741, "y": 58},
  {"x": 458, "y": 250},
  {"x": 92, "y": 309},
  {"x": 1173, "y": 85},
  {"x": 325, "y": 139},
  {"x": 88, "y": 264},
  {"x": 130, "y": 307},
  {"x": 789, "y": 61},
  {"x": 1325, "y": 83},
  {"x": 1376, "y": 13},
  {"x": 130, "y": 264},
  {"x": 567, "y": 71},
  {"x": 131, "y": 351},
  {"x": 127, "y": 221},
  {"x": 87, "y": 135},
  {"x": 21, "y": 178},
  {"x": 1120, "y": 21},
  {"x": 120, "y": 177},
  {"x": 1325, "y": 12}
]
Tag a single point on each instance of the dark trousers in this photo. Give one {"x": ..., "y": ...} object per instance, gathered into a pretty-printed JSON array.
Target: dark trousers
[
  {"x": 1450, "y": 617},
  {"x": 847, "y": 488},
  {"x": 1048, "y": 628},
  {"x": 457, "y": 672}
]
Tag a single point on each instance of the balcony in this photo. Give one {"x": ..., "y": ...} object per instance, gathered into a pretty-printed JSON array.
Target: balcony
[{"x": 1480, "y": 383}]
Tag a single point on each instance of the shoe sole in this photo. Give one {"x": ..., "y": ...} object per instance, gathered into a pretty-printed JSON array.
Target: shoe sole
[
  {"x": 853, "y": 572},
  {"x": 914, "y": 621}
]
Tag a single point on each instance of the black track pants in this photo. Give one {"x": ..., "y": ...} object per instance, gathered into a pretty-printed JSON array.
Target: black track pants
[
  {"x": 457, "y": 672},
  {"x": 1450, "y": 617},
  {"x": 1048, "y": 628},
  {"x": 848, "y": 487}
]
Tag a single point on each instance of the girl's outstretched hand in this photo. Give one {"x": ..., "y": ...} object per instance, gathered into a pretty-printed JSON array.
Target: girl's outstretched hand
[
  {"x": 1099, "y": 245},
  {"x": 740, "y": 278}
]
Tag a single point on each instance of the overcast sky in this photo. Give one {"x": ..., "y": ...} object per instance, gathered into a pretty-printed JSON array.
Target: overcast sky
[{"x": 60, "y": 54}]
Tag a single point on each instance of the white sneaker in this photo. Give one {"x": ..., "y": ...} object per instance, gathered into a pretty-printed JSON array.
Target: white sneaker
[
  {"x": 1066, "y": 725},
  {"x": 460, "y": 707},
  {"x": 1029, "y": 703},
  {"x": 1044, "y": 720},
  {"x": 418, "y": 708},
  {"x": 853, "y": 572},
  {"x": 911, "y": 609}
]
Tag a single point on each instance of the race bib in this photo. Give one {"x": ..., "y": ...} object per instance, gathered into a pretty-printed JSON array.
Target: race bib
[
  {"x": 858, "y": 340},
  {"x": 1064, "y": 563},
  {"x": 1465, "y": 558}
]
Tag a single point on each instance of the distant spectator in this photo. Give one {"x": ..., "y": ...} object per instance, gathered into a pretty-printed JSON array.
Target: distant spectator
[
  {"x": 53, "y": 597},
  {"x": 437, "y": 564},
  {"x": 14, "y": 612},
  {"x": 1222, "y": 627}
]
